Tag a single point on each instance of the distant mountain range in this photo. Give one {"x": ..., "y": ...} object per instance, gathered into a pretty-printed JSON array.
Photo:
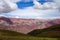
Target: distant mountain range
[{"x": 25, "y": 25}]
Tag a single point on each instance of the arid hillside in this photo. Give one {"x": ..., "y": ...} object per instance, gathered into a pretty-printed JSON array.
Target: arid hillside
[{"x": 25, "y": 25}]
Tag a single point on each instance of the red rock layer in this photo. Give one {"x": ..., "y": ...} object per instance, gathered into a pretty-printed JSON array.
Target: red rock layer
[{"x": 25, "y": 25}]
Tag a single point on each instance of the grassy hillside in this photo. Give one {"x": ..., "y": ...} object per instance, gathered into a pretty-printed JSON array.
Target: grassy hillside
[
  {"x": 9, "y": 35},
  {"x": 53, "y": 32},
  {"x": 39, "y": 35}
]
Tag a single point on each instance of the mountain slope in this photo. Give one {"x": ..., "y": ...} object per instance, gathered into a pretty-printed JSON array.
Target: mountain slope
[{"x": 53, "y": 31}]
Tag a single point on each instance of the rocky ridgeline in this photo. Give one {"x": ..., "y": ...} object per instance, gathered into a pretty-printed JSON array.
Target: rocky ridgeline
[{"x": 25, "y": 25}]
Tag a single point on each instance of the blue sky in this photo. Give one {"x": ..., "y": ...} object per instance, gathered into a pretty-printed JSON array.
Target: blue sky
[{"x": 24, "y": 3}]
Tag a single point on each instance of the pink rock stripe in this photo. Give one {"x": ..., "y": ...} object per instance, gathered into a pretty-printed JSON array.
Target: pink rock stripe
[{"x": 25, "y": 25}]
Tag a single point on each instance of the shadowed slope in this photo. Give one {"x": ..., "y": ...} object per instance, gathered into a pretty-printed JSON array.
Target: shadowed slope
[
  {"x": 6, "y": 19},
  {"x": 53, "y": 31}
]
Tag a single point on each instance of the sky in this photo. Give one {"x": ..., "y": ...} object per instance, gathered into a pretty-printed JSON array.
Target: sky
[
  {"x": 28, "y": 0},
  {"x": 28, "y": 11},
  {"x": 32, "y": 0}
]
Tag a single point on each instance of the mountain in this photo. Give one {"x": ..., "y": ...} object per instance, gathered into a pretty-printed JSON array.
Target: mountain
[{"x": 25, "y": 25}]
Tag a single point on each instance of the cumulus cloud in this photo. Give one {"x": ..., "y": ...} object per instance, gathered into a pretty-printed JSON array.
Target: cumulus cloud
[
  {"x": 7, "y": 6},
  {"x": 57, "y": 1},
  {"x": 50, "y": 5},
  {"x": 14, "y": 0},
  {"x": 47, "y": 5}
]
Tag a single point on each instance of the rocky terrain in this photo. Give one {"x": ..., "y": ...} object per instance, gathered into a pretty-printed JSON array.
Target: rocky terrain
[{"x": 25, "y": 25}]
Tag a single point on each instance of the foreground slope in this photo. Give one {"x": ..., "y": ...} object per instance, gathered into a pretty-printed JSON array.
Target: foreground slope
[
  {"x": 53, "y": 31},
  {"x": 10, "y": 35}
]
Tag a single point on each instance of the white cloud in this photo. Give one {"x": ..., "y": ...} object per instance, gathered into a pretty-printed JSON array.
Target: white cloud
[
  {"x": 58, "y": 2},
  {"x": 7, "y": 6},
  {"x": 15, "y": 0},
  {"x": 47, "y": 5},
  {"x": 32, "y": 13},
  {"x": 50, "y": 5}
]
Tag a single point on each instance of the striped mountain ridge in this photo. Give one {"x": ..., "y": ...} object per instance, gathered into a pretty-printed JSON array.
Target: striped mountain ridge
[{"x": 25, "y": 25}]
